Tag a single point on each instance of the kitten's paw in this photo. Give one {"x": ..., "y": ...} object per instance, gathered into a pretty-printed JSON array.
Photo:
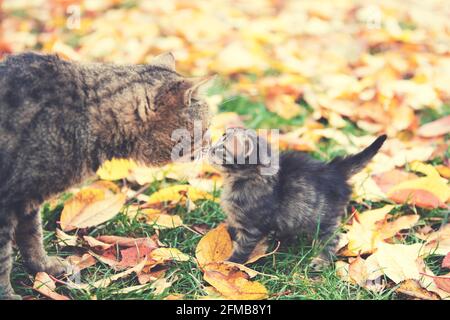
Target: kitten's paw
[
  {"x": 319, "y": 263},
  {"x": 56, "y": 266},
  {"x": 9, "y": 295}
]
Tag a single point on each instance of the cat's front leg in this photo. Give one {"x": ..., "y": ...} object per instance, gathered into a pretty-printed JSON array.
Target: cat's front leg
[
  {"x": 30, "y": 241},
  {"x": 7, "y": 225},
  {"x": 244, "y": 242}
]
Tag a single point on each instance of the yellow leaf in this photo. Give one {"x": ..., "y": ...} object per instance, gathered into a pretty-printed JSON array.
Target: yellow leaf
[
  {"x": 431, "y": 183},
  {"x": 390, "y": 229},
  {"x": 215, "y": 246},
  {"x": 232, "y": 283},
  {"x": 361, "y": 234},
  {"x": 116, "y": 169},
  {"x": 90, "y": 207},
  {"x": 179, "y": 193},
  {"x": 164, "y": 254},
  {"x": 164, "y": 221},
  {"x": 399, "y": 262},
  {"x": 284, "y": 105}
]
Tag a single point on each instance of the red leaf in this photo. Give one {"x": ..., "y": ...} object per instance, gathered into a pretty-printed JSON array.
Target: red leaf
[
  {"x": 446, "y": 262},
  {"x": 436, "y": 128},
  {"x": 420, "y": 198}
]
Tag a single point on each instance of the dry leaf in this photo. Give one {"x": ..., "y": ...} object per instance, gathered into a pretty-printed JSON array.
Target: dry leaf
[
  {"x": 399, "y": 262},
  {"x": 91, "y": 207},
  {"x": 83, "y": 262},
  {"x": 435, "y": 128},
  {"x": 179, "y": 193},
  {"x": 232, "y": 283},
  {"x": 65, "y": 239},
  {"x": 413, "y": 289},
  {"x": 215, "y": 246},
  {"x": 163, "y": 221},
  {"x": 116, "y": 169},
  {"x": 46, "y": 286}
]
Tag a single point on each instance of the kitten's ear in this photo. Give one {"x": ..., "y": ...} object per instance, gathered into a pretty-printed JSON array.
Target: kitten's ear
[
  {"x": 241, "y": 144},
  {"x": 166, "y": 60},
  {"x": 197, "y": 87}
]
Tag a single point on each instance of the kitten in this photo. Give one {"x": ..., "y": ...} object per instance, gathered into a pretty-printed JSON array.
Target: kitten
[
  {"x": 303, "y": 197},
  {"x": 60, "y": 120}
]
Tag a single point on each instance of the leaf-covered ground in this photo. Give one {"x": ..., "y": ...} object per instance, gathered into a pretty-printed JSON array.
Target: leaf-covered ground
[{"x": 331, "y": 75}]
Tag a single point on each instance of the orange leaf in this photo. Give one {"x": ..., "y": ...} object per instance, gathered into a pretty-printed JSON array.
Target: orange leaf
[
  {"x": 417, "y": 197},
  {"x": 215, "y": 246},
  {"x": 435, "y": 128}
]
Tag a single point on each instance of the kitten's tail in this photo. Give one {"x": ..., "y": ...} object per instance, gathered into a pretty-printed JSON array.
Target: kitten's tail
[{"x": 353, "y": 164}]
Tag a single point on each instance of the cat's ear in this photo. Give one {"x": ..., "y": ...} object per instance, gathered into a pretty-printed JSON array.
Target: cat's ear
[
  {"x": 197, "y": 87},
  {"x": 166, "y": 60}
]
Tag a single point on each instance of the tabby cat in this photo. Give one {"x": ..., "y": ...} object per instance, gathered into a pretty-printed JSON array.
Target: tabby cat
[
  {"x": 60, "y": 120},
  {"x": 303, "y": 197}
]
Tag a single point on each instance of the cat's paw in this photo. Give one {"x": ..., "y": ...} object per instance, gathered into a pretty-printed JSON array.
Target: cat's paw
[
  {"x": 56, "y": 266},
  {"x": 235, "y": 258}
]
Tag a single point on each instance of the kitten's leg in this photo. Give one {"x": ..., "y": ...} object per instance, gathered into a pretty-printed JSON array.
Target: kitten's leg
[
  {"x": 7, "y": 225},
  {"x": 326, "y": 256},
  {"x": 30, "y": 242},
  {"x": 245, "y": 242}
]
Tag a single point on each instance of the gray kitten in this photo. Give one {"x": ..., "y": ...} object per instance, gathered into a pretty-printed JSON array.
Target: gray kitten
[
  {"x": 304, "y": 197},
  {"x": 60, "y": 120}
]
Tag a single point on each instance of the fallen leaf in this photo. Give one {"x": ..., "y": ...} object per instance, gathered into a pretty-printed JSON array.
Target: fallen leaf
[
  {"x": 46, "y": 286},
  {"x": 116, "y": 169},
  {"x": 399, "y": 262},
  {"x": 446, "y": 261},
  {"x": 430, "y": 191},
  {"x": 81, "y": 263},
  {"x": 362, "y": 234},
  {"x": 179, "y": 193},
  {"x": 96, "y": 244},
  {"x": 63, "y": 239},
  {"x": 215, "y": 246},
  {"x": 357, "y": 271},
  {"x": 232, "y": 283},
  {"x": 165, "y": 254},
  {"x": 413, "y": 289},
  {"x": 103, "y": 283},
  {"x": 163, "y": 221},
  {"x": 90, "y": 207},
  {"x": 435, "y": 128},
  {"x": 128, "y": 242}
]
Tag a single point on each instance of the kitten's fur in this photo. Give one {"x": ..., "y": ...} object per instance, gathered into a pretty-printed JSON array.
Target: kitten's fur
[
  {"x": 60, "y": 120},
  {"x": 304, "y": 197}
]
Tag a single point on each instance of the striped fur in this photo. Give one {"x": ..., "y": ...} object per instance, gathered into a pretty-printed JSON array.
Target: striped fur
[{"x": 60, "y": 120}]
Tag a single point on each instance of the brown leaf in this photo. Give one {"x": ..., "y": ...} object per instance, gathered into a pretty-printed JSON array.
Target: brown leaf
[
  {"x": 128, "y": 242},
  {"x": 83, "y": 262},
  {"x": 46, "y": 286},
  {"x": 413, "y": 289}
]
